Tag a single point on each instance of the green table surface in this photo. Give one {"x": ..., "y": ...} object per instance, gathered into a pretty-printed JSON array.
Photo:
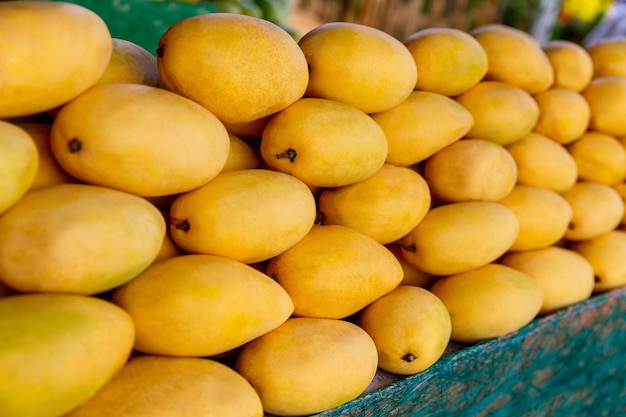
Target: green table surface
[{"x": 571, "y": 363}]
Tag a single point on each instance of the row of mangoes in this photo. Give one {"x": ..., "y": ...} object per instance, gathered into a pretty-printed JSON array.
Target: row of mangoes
[{"x": 258, "y": 225}]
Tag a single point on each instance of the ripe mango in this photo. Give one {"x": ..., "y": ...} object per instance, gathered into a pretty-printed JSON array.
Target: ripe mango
[
  {"x": 241, "y": 68},
  {"x": 130, "y": 63},
  {"x": 58, "y": 350},
  {"x": 324, "y": 143},
  {"x": 19, "y": 163},
  {"x": 308, "y": 365},
  {"x": 55, "y": 51},
  {"x": 411, "y": 328},
  {"x": 77, "y": 238},
  {"x": 334, "y": 271},
  {"x": 359, "y": 65},
  {"x": 606, "y": 254},
  {"x": 194, "y": 387},
  {"x": 249, "y": 215},
  {"x": 386, "y": 206},
  {"x": 139, "y": 139},
  {"x": 457, "y": 237},
  {"x": 573, "y": 66},
  {"x": 490, "y": 301},
  {"x": 201, "y": 305}
]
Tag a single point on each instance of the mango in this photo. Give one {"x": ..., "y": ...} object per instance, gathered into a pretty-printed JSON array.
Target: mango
[
  {"x": 58, "y": 350},
  {"x": 386, "y": 206},
  {"x": 241, "y": 68},
  {"x": 599, "y": 157},
  {"x": 449, "y": 61},
  {"x": 457, "y": 237},
  {"x": 308, "y": 365},
  {"x": 48, "y": 171},
  {"x": 201, "y": 305},
  {"x": 502, "y": 112},
  {"x": 194, "y": 387},
  {"x": 543, "y": 162},
  {"x": 605, "y": 253},
  {"x": 335, "y": 271},
  {"x": 19, "y": 163},
  {"x": 606, "y": 97},
  {"x": 514, "y": 57},
  {"x": 241, "y": 155},
  {"x": 490, "y": 301},
  {"x": 411, "y": 328},
  {"x": 544, "y": 216},
  {"x": 324, "y": 143},
  {"x": 573, "y": 66},
  {"x": 596, "y": 209},
  {"x": 564, "y": 276},
  {"x": 564, "y": 115},
  {"x": 77, "y": 238},
  {"x": 249, "y": 215},
  {"x": 421, "y": 125},
  {"x": 59, "y": 50},
  {"x": 130, "y": 63},
  {"x": 608, "y": 56},
  {"x": 359, "y": 65},
  {"x": 471, "y": 169},
  {"x": 139, "y": 139}
]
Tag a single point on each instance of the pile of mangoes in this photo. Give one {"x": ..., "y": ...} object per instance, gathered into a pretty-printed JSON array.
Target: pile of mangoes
[{"x": 244, "y": 224}]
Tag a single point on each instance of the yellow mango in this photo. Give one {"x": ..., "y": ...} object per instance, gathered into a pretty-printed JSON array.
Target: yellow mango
[
  {"x": 359, "y": 65},
  {"x": 502, "y": 112},
  {"x": 457, "y": 237},
  {"x": 596, "y": 209},
  {"x": 193, "y": 387},
  {"x": 241, "y": 68},
  {"x": 514, "y": 57},
  {"x": 471, "y": 169},
  {"x": 335, "y": 271},
  {"x": 324, "y": 143},
  {"x": 139, "y": 139},
  {"x": 449, "y": 61},
  {"x": 49, "y": 171},
  {"x": 57, "y": 50},
  {"x": 308, "y": 365},
  {"x": 241, "y": 155},
  {"x": 411, "y": 275},
  {"x": 608, "y": 56},
  {"x": 572, "y": 64},
  {"x": 58, "y": 350},
  {"x": 543, "y": 214},
  {"x": 490, "y": 301},
  {"x": 130, "y": 63},
  {"x": 606, "y": 97},
  {"x": 564, "y": 276},
  {"x": 249, "y": 215},
  {"x": 411, "y": 328},
  {"x": 606, "y": 254},
  {"x": 77, "y": 238},
  {"x": 385, "y": 206},
  {"x": 543, "y": 162},
  {"x": 564, "y": 115},
  {"x": 19, "y": 163},
  {"x": 421, "y": 125},
  {"x": 599, "y": 157},
  {"x": 201, "y": 305}
]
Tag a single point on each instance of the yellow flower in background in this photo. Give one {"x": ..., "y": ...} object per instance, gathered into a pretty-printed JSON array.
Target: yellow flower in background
[{"x": 585, "y": 10}]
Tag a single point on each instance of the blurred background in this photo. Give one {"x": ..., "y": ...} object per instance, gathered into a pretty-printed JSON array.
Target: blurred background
[{"x": 581, "y": 21}]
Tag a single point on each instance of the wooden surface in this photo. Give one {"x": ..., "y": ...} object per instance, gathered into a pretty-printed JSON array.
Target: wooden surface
[{"x": 571, "y": 363}]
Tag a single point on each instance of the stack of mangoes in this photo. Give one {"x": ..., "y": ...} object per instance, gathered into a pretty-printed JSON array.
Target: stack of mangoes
[{"x": 245, "y": 224}]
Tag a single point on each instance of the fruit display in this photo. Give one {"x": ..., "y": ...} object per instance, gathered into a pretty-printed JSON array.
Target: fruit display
[{"x": 243, "y": 224}]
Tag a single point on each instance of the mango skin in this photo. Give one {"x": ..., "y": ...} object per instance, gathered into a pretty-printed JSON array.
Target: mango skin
[
  {"x": 77, "y": 238},
  {"x": 19, "y": 163},
  {"x": 58, "y": 50},
  {"x": 58, "y": 350},
  {"x": 201, "y": 305},
  {"x": 195, "y": 387},
  {"x": 139, "y": 139}
]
